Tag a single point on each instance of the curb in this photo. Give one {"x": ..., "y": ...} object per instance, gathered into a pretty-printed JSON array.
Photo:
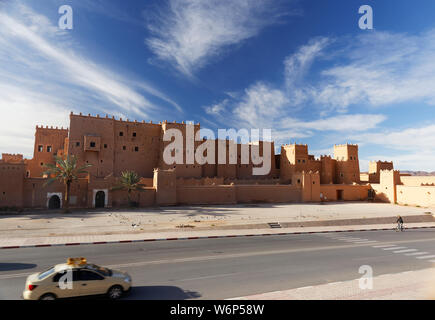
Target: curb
[{"x": 199, "y": 238}]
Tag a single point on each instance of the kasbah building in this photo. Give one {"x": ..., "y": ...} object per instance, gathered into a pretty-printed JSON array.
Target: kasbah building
[{"x": 112, "y": 146}]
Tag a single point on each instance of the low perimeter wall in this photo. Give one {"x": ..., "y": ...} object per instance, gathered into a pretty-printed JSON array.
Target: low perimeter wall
[
  {"x": 145, "y": 198},
  {"x": 224, "y": 194},
  {"x": 348, "y": 192},
  {"x": 416, "y": 196},
  {"x": 267, "y": 193},
  {"x": 206, "y": 195}
]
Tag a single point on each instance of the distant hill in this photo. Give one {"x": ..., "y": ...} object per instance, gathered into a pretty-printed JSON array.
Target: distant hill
[{"x": 418, "y": 173}]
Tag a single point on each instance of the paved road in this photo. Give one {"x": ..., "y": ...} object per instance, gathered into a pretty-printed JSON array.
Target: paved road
[{"x": 233, "y": 267}]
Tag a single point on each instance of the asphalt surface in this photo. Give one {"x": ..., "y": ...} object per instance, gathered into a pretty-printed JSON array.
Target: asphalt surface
[{"x": 233, "y": 267}]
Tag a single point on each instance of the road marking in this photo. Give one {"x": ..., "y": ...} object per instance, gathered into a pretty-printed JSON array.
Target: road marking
[
  {"x": 241, "y": 255},
  {"x": 369, "y": 241},
  {"x": 394, "y": 248},
  {"x": 209, "y": 277},
  {"x": 301, "y": 288},
  {"x": 15, "y": 275},
  {"x": 406, "y": 250},
  {"x": 416, "y": 253},
  {"x": 384, "y": 246},
  {"x": 426, "y": 257}
]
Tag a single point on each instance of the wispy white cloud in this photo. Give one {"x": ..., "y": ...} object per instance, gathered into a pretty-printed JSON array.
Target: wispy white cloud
[
  {"x": 410, "y": 139},
  {"x": 264, "y": 105},
  {"x": 372, "y": 70},
  {"x": 410, "y": 148},
  {"x": 188, "y": 33},
  {"x": 43, "y": 77},
  {"x": 260, "y": 106},
  {"x": 22, "y": 110},
  {"x": 340, "y": 123},
  {"x": 375, "y": 69},
  {"x": 296, "y": 65}
]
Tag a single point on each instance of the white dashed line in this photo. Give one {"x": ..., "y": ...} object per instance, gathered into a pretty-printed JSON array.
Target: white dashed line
[
  {"x": 394, "y": 248},
  {"x": 301, "y": 288},
  {"x": 416, "y": 253},
  {"x": 426, "y": 257},
  {"x": 364, "y": 242},
  {"x": 406, "y": 250},
  {"x": 208, "y": 277},
  {"x": 385, "y": 246}
]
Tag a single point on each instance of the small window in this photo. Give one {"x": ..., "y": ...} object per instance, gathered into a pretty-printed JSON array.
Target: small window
[
  {"x": 105, "y": 146},
  {"x": 101, "y": 161},
  {"x": 299, "y": 180},
  {"x": 124, "y": 148},
  {"x": 121, "y": 134},
  {"x": 42, "y": 163},
  {"x": 303, "y": 161},
  {"x": 49, "y": 148},
  {"x": 299, "y": 160},
  {"x": 77, "y": 144},
  {"x": 136, "y": 149},
  {"x": 40, "y": 148},
  {"x": 85, "y": 275},
  {"x": 46, "y": 273},
  {"x": 92, "y": 144},
  {"x": 134, "y": 134}
]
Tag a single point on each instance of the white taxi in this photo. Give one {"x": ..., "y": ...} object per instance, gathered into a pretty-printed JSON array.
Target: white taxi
[{"x": 76, "y": 278}]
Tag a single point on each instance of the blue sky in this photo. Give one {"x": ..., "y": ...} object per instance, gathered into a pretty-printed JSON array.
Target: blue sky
[{"x": 302, "y": 68}]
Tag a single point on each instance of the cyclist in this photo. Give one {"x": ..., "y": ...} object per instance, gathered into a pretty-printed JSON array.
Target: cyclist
[{"x": 399, "y": 222}]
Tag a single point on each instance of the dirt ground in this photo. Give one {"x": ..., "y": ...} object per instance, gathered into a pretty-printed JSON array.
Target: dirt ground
[{"x": 113, "y": 221}]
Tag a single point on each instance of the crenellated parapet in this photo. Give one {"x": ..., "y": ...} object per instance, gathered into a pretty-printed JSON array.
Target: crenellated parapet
[
  {"x": 51, "y": 129},
  {"x": 12, "y": 158},
  {"x": 112, "y": 117}
]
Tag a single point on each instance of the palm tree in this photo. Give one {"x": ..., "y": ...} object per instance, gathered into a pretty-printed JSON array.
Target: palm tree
[
  {"x": 129, "y": 181},
  {"x": 65, "y": 171}
]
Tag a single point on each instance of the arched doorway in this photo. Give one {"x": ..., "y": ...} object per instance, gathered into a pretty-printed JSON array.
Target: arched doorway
[
  {"x": 100, "y": 199},
  {"x": 54, "y": 202}
]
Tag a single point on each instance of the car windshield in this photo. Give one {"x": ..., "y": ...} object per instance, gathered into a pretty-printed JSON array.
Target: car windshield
[
  {"x": 103, "y": 271},
  {"x": 45, "y": 274}
]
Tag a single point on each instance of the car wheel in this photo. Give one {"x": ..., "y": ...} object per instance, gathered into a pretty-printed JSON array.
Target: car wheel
[
  {"x": 48, "y": 296},
  {"x": 115, "y": 292}
]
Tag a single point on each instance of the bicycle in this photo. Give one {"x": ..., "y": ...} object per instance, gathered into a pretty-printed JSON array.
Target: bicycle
[{"x": 400, "y": 227}]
